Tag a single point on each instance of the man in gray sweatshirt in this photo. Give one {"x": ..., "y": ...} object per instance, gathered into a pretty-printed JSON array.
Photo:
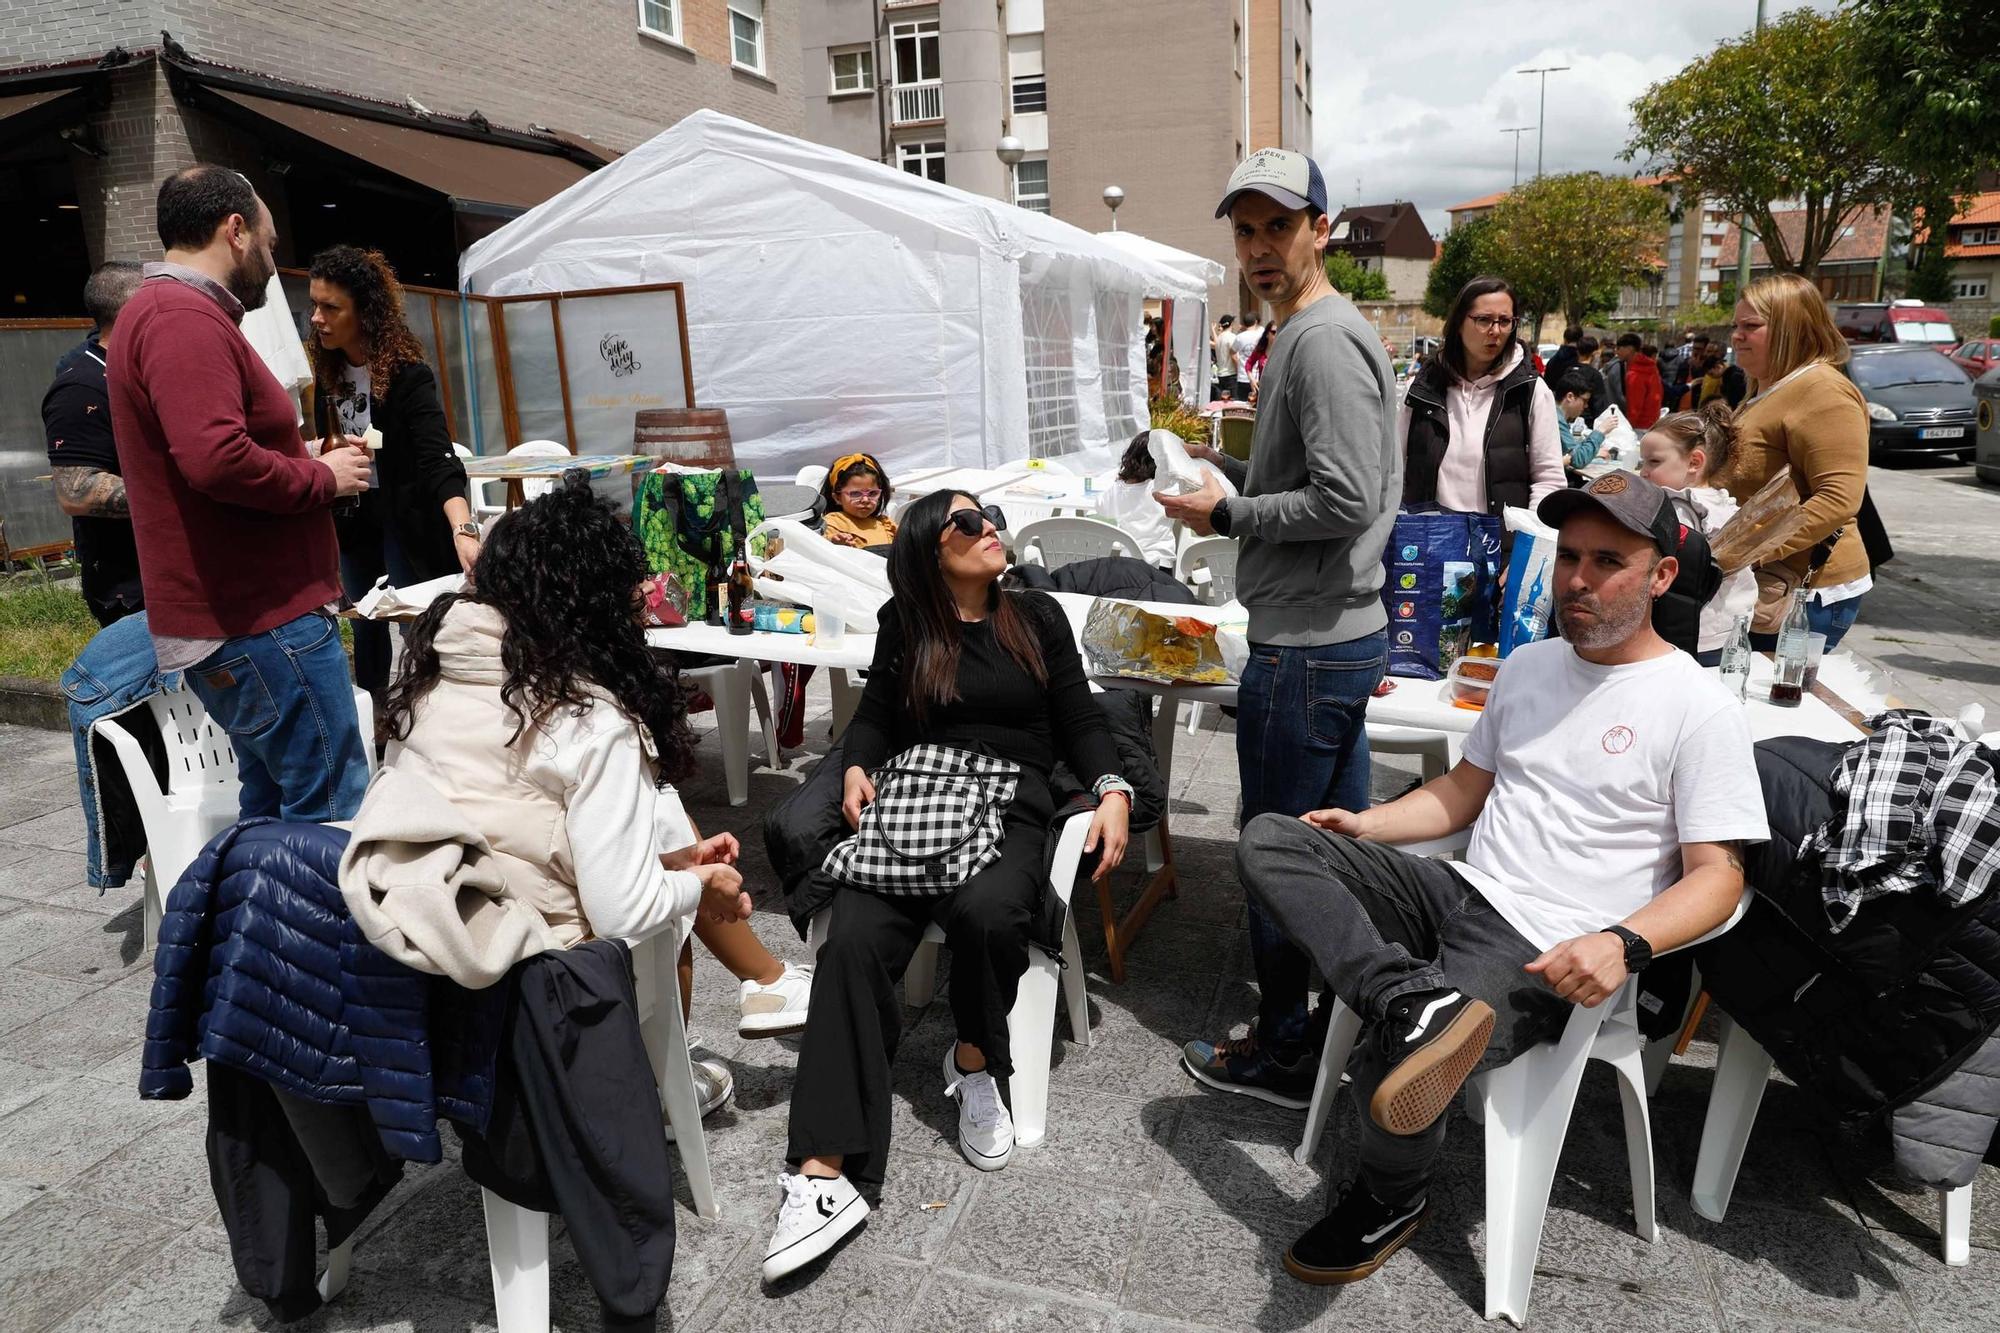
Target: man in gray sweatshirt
[{"x": 1318, "y": 500}]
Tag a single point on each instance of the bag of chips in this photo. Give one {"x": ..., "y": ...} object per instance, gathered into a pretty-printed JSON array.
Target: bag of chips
[{"x": 1442, "y": 573}]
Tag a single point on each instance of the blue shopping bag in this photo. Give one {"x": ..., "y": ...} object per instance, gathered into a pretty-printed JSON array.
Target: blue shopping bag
[{"x": 1442, "y": 579}]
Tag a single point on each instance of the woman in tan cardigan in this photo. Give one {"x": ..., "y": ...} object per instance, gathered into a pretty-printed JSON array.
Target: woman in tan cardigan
[{"x": 1804, "y": 412}]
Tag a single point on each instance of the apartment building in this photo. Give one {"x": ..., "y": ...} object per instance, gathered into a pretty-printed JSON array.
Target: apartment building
[
  {"x": 416, "y": 128},
  {"x": 1160, "y": 99}
]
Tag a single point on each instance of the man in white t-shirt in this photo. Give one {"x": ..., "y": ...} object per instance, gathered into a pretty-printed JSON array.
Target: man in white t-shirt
[
  {"x": 1608, "y": 784},
  {"x": 1249, "y": 332}
]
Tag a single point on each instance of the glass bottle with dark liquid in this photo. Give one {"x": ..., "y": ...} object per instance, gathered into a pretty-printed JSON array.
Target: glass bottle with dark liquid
[
  {"x": 742, "y": 615},
  {"x": 1788, "y": 684},
  {"x": 718, "y": 596}
]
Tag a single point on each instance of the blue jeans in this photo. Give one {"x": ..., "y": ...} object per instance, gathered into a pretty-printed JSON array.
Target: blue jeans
[
  {"x": 285, "y": 700},
  {"x": 1301, "y": 744},
  {"x": 1832, "y": 619}
]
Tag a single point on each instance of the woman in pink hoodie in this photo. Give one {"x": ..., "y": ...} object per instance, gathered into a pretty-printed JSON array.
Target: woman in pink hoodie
[{"x": 1478, "y": 425}]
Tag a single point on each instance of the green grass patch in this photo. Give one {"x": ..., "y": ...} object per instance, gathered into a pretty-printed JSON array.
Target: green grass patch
[{"x": 42, "y": 629}]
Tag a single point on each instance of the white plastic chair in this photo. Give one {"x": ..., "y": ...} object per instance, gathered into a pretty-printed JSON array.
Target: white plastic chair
[
  {"x": 517, "y": 1238},
  {"x": 484, "y": 505},
  {"x": 1207, "y": 565},
  {"x": 812, "y": 474},
  {"x": 736, "y": 687},
  {"x": 459, "y": 451},
  {"x": 1525, "y": 1108},
  {"x": 1438, "y": 750},
  {"x": 1055, "y": 542},
  {"x": 1742, "y": 1072},
  {"x": 201, "y": 795},
  {"x": 1031, "y": 1024}
]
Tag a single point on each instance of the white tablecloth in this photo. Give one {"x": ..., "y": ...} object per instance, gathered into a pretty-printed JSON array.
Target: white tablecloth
[{"x": 853, "y": 653}]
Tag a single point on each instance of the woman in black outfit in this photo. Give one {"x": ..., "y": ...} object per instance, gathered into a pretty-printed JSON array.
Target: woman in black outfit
[
  {"x": 413, "y": 522},
  {"x": 958, "y": 662}
]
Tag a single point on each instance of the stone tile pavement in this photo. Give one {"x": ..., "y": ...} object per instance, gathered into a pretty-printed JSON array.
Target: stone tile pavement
[{"x": 1152, "y": 1206}]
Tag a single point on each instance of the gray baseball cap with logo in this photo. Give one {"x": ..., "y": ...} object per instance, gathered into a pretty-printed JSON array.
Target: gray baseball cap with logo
[
  {"x": 1292, "y": 179},
  {"x": 1627, "y": 499}
]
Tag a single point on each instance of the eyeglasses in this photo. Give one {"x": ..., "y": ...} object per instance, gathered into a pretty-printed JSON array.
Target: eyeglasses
[
  {"x": 972, "y": 522},
  {"x": 1494, "y": 323},
  {"x": 861, "y": 497}
]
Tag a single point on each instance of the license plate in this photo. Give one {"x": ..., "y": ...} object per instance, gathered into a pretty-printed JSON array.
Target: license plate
[{"x": 1942, "y": 433}]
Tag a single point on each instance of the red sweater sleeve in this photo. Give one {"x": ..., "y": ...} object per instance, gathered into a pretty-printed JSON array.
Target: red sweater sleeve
[{"x": 189, "y": 367}]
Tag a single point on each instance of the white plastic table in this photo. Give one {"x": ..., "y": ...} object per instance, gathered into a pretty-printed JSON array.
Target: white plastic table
[{"x": 732, "y": 688}]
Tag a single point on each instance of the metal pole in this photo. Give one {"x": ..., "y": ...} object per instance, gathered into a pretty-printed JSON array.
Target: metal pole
[
  {"x": 1517, "y": 132},
  {"x": 1542, "y": 122},
  {"x": 1743, "y": 220}
]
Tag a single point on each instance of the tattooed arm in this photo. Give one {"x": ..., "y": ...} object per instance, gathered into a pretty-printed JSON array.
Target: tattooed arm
[{"x": 88, "y": 492}]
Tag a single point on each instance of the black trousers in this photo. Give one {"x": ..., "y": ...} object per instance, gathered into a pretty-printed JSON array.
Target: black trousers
[{"x": 840, "y": 1098}]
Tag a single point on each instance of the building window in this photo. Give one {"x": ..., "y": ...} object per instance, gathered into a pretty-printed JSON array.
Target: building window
[
  {"x": 1965, "y": 289},
  {"x": 915, "y": 47},
  {"x": 1308, "y": 89},
  {"x": 1031, "y": 93},
  {"x": 1973, "y": 236},
  {"x": 746, "y": 34},
  {"x": 854, "y": 70},
  {"x": 1236, "y": 48},
  {"x": 662, "y": 18},
  {"x": 1031, "y": 185},
  {"x": 923, "y": 159},
  {"x": 1298, "y": 65}
]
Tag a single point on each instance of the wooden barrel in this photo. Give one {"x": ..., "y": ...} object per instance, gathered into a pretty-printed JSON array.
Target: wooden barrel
[{"x": 690, "y": 436}]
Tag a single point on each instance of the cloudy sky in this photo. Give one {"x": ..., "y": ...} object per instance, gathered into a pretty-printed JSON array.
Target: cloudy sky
[{"x": 1410, "y": 99}]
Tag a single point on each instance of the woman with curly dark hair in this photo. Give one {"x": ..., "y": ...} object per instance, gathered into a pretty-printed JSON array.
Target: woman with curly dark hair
[
  {"x": 532, "y": 704},
  {"x": 413, "y": 522}
]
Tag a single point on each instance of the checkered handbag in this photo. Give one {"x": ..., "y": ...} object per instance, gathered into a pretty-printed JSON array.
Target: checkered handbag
[{"x": 935, "y": 822}]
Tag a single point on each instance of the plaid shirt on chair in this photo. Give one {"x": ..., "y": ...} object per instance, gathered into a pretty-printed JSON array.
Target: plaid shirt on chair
[{"x": 1922, "y": 811}]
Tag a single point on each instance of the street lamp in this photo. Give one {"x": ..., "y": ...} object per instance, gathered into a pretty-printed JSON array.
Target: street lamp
[
  {"x": 1113, "y": 196},
  {"x": 1517, "y": 131},
  {"x": 1542, "y": 119},
  {"x": 1009, "y": 150}
]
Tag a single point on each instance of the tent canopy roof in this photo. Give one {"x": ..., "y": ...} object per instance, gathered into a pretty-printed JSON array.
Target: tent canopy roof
[
  {"x": 646, "y": 193},
  {"x": 1193, "y": 266}
]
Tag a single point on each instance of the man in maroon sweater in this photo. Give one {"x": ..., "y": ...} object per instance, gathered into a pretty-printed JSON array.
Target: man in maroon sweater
[{"x": 236, "y": 545}]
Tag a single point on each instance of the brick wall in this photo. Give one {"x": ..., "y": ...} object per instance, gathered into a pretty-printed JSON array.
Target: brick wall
[
  {"x": 578, "y": 65},
  {"x": 46, "y": 32}
]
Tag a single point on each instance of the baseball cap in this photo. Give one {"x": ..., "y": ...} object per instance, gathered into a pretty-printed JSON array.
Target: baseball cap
[
  {"x": 1293, "y": 179},
  {"x": 1627, "y": 499}
]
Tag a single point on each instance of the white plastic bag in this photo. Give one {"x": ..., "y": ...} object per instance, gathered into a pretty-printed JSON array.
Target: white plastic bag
[
  {"x": 1528, "y": 606},
  {"x": 1621, "y": 442},
  {"x": 811, "y": 571},
  {"x": 1174, "y": 473},
  {"x": 1232, "y": 636}
]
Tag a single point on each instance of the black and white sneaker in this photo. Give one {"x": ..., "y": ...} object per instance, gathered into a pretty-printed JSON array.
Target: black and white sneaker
[
  {"x": 1433, "y": 1040},
  {"x": 816, "y": 1213},
  {"x": 1354, "y": 1239}
]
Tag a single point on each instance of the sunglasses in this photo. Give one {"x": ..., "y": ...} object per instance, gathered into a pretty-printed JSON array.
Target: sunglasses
[{"x": 972, "y": 522}]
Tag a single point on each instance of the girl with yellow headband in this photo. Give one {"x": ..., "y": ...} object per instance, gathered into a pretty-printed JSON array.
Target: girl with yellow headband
[{"x": 855, "y": 497}]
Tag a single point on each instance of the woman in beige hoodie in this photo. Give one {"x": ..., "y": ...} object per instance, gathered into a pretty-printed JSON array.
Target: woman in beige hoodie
[{"x": 533, "y": 707}]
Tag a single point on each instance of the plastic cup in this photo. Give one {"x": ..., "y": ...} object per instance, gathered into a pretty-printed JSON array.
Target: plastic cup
[
  {"x": 1815, "y": 646},
  {"x": 828, "y": 628}
]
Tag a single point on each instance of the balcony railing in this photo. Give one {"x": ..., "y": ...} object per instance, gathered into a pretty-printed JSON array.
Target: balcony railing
[{"x": 919, "y": 102}]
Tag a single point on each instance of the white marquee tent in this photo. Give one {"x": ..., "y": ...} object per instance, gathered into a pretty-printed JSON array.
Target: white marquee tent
[
  {"x": 1191, "y": 322},
  {"x": 838, "y": 304}
]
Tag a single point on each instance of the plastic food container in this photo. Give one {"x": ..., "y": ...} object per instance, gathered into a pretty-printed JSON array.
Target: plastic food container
[{"x": 1470, "y": 679}]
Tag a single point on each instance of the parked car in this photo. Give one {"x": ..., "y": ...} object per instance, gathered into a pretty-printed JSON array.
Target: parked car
[
  {"x": 1894, "y": 322},
  {"x": 1986, "y": 453},
  {"x": 1919, "y": 402},
  {"x": 1976, "y": 357}
]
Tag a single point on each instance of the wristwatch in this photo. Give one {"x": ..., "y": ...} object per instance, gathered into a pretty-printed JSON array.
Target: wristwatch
[
  {"x": 466, "y": 530},
  {"x": 1218, "y": 518},
  {"x": 1638, "y": 953}
]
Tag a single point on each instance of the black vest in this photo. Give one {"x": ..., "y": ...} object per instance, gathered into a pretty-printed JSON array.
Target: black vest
[{"x": 1506, "y": 442}]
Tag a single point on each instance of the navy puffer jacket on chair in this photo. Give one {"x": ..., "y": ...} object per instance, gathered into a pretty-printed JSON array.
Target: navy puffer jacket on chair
[{"x": 260, "y": 967}]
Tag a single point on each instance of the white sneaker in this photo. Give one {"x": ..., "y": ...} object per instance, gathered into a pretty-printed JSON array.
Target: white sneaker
[
  {"x": 778, "y": 1009},
  {"x": 713, "y": 1084},
  {"x": 985, "y": 1130},
  {"x": 816, "y": 1213}
]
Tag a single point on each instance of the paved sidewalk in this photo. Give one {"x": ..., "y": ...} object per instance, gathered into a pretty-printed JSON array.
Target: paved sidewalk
[{"x": 1152, "y": 1206}]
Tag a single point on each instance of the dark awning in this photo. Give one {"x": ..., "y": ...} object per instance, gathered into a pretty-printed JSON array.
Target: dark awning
[
  {"x": 23, "y": 115},
  {"x": 468, "y": 170}
]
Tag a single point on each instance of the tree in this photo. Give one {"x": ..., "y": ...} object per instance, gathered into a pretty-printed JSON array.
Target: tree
[
  {"x": 1353, "y": 281},
  {"x": 1567, "y": 242},
  {"x": 1779, "y": 115},
  {"x": 1932, "y": 76},
  {"x": 1462, "y": 258}
]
